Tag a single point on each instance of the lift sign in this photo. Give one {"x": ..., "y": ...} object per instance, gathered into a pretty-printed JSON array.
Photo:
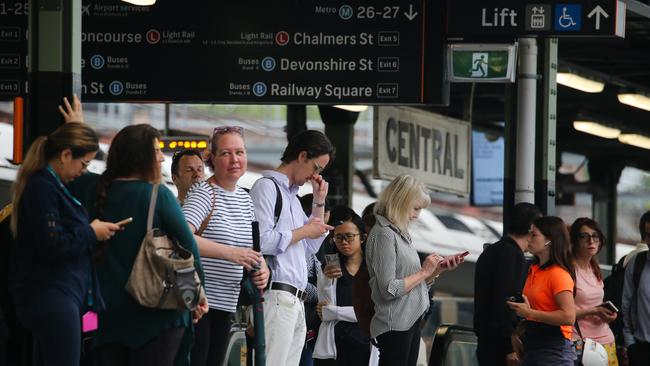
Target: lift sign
[{"x": 432, "y": 147}]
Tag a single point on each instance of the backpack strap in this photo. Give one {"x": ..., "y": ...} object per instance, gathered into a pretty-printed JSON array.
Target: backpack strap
[
  {"x": 278, "y": 201},
  {"x": 639, "y": 264}
]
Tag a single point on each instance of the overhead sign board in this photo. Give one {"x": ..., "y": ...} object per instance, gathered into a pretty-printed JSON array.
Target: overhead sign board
[
  {"x": 265, "y": 52},
  {"x": 482, "y": 63},
  {"x": 556, "y": 18},
  {"x": 13, "y": 48},
  {"x": 432, "y": 147}
]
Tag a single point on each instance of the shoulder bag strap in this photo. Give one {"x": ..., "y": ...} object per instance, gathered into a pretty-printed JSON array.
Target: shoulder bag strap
[
  {"x": 206, "y": 221},
  {"x": 277, "y": 209},
  {"x": 152, "y": 206}
]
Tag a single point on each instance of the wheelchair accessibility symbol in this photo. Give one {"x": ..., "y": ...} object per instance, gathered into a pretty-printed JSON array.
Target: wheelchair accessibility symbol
[{"x": 568, "y": 17}]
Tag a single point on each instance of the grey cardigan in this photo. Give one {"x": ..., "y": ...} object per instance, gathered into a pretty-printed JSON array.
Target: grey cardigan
[{"x": 391, "y": 257}]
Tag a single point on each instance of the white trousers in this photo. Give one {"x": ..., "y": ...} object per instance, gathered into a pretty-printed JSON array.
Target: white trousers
[{"x": 284, "y": 328}]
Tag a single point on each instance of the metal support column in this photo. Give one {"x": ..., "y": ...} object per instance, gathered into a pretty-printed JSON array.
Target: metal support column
[
  {"x": 339, "y": 127},
  {"x": 605, "y": 175},
  {"x": 546, "y": 129},
  {"x": 526, "y": 106},
  {"x": 54, "y": 63}
]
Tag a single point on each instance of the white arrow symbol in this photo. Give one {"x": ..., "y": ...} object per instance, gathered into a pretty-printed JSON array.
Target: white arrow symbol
[
  {"x": 598, "y": 11},
  {"x": 411, "y": 15}
]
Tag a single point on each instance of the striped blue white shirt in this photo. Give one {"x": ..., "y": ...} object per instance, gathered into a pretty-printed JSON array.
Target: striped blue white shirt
[{"x": 230, "y": 224}]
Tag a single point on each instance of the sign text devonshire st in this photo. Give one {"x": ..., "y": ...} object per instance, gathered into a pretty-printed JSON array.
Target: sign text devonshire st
[
  {"x": 432, "y": 147},
  {"x": 556, "y": 18},
  {"x": 265, "y": 52}
]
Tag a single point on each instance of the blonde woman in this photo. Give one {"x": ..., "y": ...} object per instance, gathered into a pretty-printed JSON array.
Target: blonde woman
[{"x": 398, "y": 283}]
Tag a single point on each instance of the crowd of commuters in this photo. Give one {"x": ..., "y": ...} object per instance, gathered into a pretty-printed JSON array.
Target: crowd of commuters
[{"x": 337, "y": 288}]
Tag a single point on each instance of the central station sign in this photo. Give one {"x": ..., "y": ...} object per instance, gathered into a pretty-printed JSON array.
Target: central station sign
[
  {"x": 263, "y": 52},
  {"x": 555, "y": 18}
]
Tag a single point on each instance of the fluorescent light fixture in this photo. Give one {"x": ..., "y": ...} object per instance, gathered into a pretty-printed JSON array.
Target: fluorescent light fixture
[
  {"x": 140, "y": 2},
  {"x": 635, "y": 140},
  {"x": 596, "y": 129},
  {"x": 579, "y": 82},
  {"x": 635, "y": 100},
  {"x": 353, "y": 108}
]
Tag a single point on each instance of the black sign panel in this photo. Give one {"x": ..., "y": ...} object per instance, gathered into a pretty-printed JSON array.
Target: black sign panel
[
  {"x": 262, "y": 52},
  {"x": 557, "y": 18},
  {"x": 13, "y": 48}
]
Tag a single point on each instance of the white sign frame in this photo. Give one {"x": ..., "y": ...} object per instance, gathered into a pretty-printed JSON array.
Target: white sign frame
[{"x": 392, "y": 157}]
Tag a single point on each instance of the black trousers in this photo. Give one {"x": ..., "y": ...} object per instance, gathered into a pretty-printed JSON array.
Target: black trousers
[
  {"x": 399, "y": 347},
  {"x": 54, "y": 319},
  {"x": 490, "y": 353},
  {"x": 211, "y": 338},
  {"x": 639, "y": 353},
  {"x": 160, "y": 351}
]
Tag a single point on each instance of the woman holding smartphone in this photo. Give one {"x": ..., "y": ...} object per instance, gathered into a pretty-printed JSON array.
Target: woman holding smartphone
[
  {"x": 340, "y": 340},
  {"x": 548, "y": 296},
  {"x": 399, "y": 284},
  {"x": 593, "y": 318}
]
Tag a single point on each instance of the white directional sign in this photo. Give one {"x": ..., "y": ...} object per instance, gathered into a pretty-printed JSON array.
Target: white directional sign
[{"x": 429, "y": 146}]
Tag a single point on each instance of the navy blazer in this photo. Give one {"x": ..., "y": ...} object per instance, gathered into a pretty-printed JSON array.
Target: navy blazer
[{"x": 53, "y": 245}]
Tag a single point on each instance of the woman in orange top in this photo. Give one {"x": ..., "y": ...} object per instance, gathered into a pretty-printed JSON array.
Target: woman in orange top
[{"x": 548, "y": 296}]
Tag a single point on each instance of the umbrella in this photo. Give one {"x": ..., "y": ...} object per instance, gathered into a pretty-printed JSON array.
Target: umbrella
[{"x": 257, "y": 299}]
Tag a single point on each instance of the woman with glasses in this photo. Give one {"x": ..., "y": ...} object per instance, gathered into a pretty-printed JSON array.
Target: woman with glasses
[
  {"x": 399, "y": 283},
  {"x": 221, "y": 213},
  {"x": 548, "y": 305},
  {"x": 51, "y": 271},
  {"x": 340, "y": 340},
  {"x": 587, "y": 240}
]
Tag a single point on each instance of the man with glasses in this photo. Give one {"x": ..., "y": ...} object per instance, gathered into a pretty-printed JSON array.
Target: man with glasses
[
  {"x": 501, "y": 273},
  {"x": 187, "y": 169},
  {"x": 289, "y": 238}
]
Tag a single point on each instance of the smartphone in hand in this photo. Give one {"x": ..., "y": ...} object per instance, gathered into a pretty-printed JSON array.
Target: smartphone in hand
[
  {"x": 609, "y": 306},
  {"x": 516, "y": 298},
  {"x": 332, "y": 259},
  {"x": 126, "y": 221},
  {"x": 458, "y": 256}
]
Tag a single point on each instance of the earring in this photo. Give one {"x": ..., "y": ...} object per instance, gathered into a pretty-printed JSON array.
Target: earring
[{"x": 547, "y": 243}]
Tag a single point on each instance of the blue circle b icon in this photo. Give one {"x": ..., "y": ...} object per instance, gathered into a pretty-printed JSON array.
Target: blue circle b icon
[
  {"x": 268, "y": 63},
  {"x": 259, "y": 89},
  {"x": 97, "y": 62},
  {"x": 116, "y": 87}
]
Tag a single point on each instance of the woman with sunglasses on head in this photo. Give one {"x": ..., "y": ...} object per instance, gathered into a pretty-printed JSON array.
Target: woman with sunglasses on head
[
  {"x": 129, "y": 333},
  {"x": 587, "y": 240},
  {"x": 224, "y": 212},
  {"x": 51, "y": 273},
  {"x": 340, "y": 340},
  {"x": 548, "y": 305}
]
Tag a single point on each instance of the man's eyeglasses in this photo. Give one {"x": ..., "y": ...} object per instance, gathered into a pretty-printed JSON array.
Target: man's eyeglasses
[
  {"x": 586, "y": 236},
  {"x": 85, "y": 163},
  {"x": 317, "y": 168},
  {"x": 221, "y": 130},
  {"x": 339, "y": 238}
]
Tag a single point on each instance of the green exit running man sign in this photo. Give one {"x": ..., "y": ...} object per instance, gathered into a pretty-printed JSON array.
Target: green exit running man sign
[{"x": 482, "y": 63}]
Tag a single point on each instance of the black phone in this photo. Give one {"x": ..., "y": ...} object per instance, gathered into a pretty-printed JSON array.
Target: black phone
[
  {"x": 609, "y": 306},
  {"x": 516, "y": 298}
]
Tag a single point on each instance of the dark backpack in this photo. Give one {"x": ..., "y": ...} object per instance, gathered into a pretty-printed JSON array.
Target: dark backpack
[{"x": 614, "y": 289}]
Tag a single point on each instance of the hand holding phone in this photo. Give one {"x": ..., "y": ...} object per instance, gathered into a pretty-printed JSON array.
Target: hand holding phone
[
  {"x": 516, "y": 298},
  {"x": 128, "y": 220},
  {"x": 332, "y": 266},
  {"x": 459, "y": 258}
]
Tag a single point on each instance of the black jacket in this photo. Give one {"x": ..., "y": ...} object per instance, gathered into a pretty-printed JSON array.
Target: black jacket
[{"x": 501, "y": 272}]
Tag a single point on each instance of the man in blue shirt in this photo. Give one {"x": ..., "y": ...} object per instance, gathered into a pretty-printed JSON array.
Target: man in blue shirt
[{"x": 289, "y": 238}]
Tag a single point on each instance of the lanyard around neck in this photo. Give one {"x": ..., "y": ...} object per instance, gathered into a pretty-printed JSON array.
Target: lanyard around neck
[{"x": 62, "y": 186}]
